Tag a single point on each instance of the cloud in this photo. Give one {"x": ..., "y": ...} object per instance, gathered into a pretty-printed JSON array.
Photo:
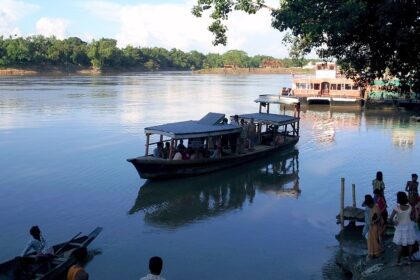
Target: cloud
[
  {"x": 11, "y": 12},
  {"x": 52, "y": 27},
  {"x": 173, "y": 26}
]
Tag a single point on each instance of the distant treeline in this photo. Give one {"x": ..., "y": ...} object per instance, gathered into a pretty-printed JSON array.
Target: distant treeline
[{"x": 39, "y": 51}]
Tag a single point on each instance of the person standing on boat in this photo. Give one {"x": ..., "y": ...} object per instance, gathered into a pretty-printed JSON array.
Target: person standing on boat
[
  {"x": 378, "y": 183},
  {"x": 155, "y": 267},
  {"x": 234, "y": 137},
  {"x": 77, "y": 271},
  {"x": 166, "y": 150},
  {"x": 37, "y": 243},
  {"x": 243, "y": 136},
  {"x": 252, "y": 134},
  {"x": 412, "y": 188}
]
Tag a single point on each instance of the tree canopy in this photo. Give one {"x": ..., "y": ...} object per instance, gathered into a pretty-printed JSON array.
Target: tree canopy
[
  {"x": 40, "y": 51},
  {"x": 369, "y": 38}
]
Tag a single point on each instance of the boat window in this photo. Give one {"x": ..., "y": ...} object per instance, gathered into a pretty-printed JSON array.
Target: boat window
[
  {"x": 316, "y": 86},
  {"x": 348, "y": 87},
  {"x": 331, "y": 67},
  {"x": 354, "y": 87},
  {"x": 333, "y": 86},
  {"x": 338, "y": 86}
]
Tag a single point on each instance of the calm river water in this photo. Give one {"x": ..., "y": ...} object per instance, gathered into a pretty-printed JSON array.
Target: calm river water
[{"x": 64, "y": 142}]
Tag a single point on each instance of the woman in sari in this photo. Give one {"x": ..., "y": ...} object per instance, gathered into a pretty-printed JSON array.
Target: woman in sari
[{"x": 376, "y": 228}]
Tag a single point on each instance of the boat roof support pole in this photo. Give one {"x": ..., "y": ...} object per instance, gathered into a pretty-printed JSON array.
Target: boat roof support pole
[
  {"x": 285, "y": 133},
  {"x": 146, "y": 153},
  {"x": 171, "y": 149}
]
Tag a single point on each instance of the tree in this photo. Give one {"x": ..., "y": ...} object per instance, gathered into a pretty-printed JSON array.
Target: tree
[
  {"x": 369, "y": 38},
  {"x": 236, "y": 58},
  {"x": 104, "y": 53},
  {"x": 213, "y": 60}
]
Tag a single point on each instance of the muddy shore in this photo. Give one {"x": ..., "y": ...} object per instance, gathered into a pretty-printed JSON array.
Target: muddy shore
[
  {"x": 49, "y": 70},
  {"x": 354, "y": 264}
]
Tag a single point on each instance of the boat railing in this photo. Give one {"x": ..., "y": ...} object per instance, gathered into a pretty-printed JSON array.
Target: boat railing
[
  {"x": 302, "y": 76},
  {"x": 277, "y": 99}
]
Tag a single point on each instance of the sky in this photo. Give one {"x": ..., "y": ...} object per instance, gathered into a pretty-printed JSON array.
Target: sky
[{"x": 140, "y": 23}]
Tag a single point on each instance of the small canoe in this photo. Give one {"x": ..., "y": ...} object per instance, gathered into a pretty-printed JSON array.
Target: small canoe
[{"x": 28, "y": 267}]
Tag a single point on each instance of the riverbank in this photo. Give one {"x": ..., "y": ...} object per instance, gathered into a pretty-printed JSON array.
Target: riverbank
[
  {"x": 243, "y": 71},
  {"x": 65, "y": 70},
  {"x": 50, "y": 70},
  {"x": 352, "y": 258}
]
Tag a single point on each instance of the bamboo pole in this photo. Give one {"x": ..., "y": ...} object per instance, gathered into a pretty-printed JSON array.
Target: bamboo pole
[
  {"x": 353, "y": 192},
  {"x": 342, "y": 203}
]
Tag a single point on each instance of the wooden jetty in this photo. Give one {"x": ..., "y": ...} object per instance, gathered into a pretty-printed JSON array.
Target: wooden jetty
[{"x": 349, "y": 213}]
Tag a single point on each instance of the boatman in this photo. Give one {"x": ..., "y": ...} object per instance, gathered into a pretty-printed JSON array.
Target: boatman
[
  {"x": 77, "y": 271},
  {"x": 155, "y": 267}
]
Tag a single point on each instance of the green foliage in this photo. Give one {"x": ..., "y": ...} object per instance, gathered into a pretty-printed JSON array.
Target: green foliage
[
  {"x": 369, "y": 39},
  {"x": 43, "y": 51}
]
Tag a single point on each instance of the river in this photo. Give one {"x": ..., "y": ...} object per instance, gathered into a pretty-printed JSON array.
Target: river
[{"x": 64, "y": 141}]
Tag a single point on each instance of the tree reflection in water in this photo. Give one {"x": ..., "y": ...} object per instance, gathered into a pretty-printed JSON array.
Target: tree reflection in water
[{"x": 176, "y": 203}]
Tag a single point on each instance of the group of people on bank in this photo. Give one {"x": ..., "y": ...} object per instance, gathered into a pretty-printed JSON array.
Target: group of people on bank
[
  {"x": 213, "y": 147},
  {"x": 39, "y": 245},
  {"x": 405, "y": 216}
]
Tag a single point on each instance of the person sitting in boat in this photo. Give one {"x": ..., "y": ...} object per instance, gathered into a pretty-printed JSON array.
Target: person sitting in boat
[
  {"x": 77, "y": 271},
  {"x": 178, "y": 155},
  {"x": 181, "y": 145},
  {"x": 197, "y": 154},
  {"x": 155, "y": 268},
  {"x": 37, "y": 244},
  {"x": 217, "y": 153},
  {"x": 158, "y": 151}
]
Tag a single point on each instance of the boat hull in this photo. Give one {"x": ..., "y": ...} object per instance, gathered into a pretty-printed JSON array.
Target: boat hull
[{"x": 152, "y": 168}]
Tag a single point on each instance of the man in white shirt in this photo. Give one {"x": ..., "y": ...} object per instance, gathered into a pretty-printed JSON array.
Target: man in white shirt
[{"x": 155, "y": 267}]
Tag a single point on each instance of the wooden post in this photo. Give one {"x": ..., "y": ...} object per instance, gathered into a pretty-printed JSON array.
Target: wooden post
[
  {"x": 146, "y": 153},
  {"x": 353, "y": 192},
  {"x": 161, "y": 138},
  {"x": 342, "y": 203}
]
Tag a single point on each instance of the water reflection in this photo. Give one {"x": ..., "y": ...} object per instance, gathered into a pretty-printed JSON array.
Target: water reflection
[
  {"x": 326, "y": 120},
  {"x": 180, "y": 202}
]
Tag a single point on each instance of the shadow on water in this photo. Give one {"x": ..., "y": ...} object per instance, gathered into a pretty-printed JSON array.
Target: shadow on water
[{"x": 180, "y": 202}]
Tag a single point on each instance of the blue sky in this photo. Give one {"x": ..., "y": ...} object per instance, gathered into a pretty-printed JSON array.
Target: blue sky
[{"x": 146, "y": 23}]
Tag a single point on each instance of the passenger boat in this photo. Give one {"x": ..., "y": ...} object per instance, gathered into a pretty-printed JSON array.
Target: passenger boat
[
  {"x": 275, "y": 132},
  {"x": 326, "y": 87},
  {"x": 27, "y": 267}
]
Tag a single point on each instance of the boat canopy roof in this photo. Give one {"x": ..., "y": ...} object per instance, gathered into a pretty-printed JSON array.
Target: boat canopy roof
[
  {"x": 210, "y": 125},
  {"x": 276, "y": 99},
  {"x": 274, "y": 119}
]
